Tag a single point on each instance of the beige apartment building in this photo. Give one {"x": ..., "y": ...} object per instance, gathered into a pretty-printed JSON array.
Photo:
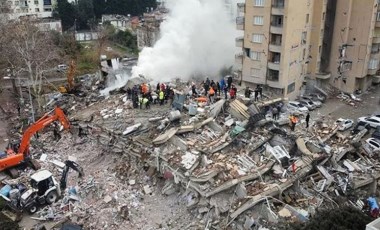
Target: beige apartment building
[
  {"x": 289, "y": 44},
  {"x": 354, "y": 59}
]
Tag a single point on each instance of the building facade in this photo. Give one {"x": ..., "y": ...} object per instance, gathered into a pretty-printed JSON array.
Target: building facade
[
  {"x": 38, "y": 8},
  {"x": 275, "y": 44},
  {"x": 288, "y": 43},
  {"x": 355, "y": 45}
]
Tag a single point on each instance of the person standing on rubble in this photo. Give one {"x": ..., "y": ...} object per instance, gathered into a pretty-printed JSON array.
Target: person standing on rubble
[
  {"x": 57, "y": 135},
  {"x": 293, "y": 121},
  {"x": 260, "y": 89},
  {"x": 307, "y": 119},
  {"x": 229, "y": 82},
  {"x": 129, "y": 93},
  {"x": 194, "y": 90},
  {"x": 256, "y": 93},
  {"x": 211, "y": 95},
  {"x": 158, "y": 87},
  {"x": 275, "y": 113},
  {"x": 247, "y": 92},
  {"x": 218, "y": 88},
  {"x": 207, "y": 87},
  {"x": 161, "y": 96},
  {"x": 233, "y": 92},
  {"x": 225, "y": 89}
]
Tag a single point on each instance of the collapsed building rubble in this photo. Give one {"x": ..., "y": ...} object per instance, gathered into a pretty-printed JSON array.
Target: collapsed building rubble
[{"x": 231, "y": 165}]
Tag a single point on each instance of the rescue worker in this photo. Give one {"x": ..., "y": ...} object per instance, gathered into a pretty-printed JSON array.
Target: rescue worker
[
  {"x": 225, "y": 89},
  {"x": 218, "y": 89},
  {"x": 194, "y": 90},
  {"x": 145, "y": 102},
  {"x": 307, "y": 120},
  {"x": 293, "y": 121},
  {"x": 211, "y": 95},
  {"x": 247, "y": 92},
  {"x": 161, "y": 97}
]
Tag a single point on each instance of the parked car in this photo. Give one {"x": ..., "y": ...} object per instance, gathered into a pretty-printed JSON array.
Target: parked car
[
  {"x": 308, "y": 104},
  {"x": 316, "y": 102},
  {"x": 318, "y": 96},
  {"x": 344, "y": 124},
  {"x": 372, "y": 121},
  {"x": 296, "y": 106},
  {"x": 359, "y": 127},
  {"x": 373, "y": 143},
  {"x": 376, "y": 134}
]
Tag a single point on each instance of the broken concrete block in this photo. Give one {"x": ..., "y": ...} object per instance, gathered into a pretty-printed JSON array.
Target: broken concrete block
[
  {"x": 58, "y": 163},
  {"x": 147, "y": 189},
  {"x": 43, "y": 157},
  {"x": 174, "y": 115},
  {"x": 203, "y": 210},
  {"x": 249, "y": 222},
  {"x": 132, "y": 182},
  {"x": 132, "y": 128},
  {"x": 241, "y": 191},
  {"x": 284, "y": 213},
  {"x": 107, "y": 199}
]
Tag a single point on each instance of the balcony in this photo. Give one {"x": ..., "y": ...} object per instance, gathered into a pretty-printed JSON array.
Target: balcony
[
  {"x": 239, "y": 58},
  {"x": 239, "y": 41},
  {"x": 371, "y": 71},
  {"x": 323, "y": 76},
  {"x": 376, "y": 40},
  {"x": 240, "y": 23},
  {"x": 241, "y": 7},
  {"x": 274, "y": 65},
  {"x": 276, "y": 29},
  {"x": 275, "y": 47},
  {"x": 280, "y": 4},
  {"x": 377, "y": 24}
]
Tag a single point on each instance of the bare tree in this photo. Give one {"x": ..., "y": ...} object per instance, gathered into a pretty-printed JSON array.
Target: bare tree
[{"x": 30, "y": 52}]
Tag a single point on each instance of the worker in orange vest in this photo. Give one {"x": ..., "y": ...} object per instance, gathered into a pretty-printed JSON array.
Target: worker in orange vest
[
  {"x": 293, "y": 120},
  {"x": 211, "y": 94}
]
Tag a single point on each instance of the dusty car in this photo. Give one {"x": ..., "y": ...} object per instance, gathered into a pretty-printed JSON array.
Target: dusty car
[{"x": 344, "y": 124}]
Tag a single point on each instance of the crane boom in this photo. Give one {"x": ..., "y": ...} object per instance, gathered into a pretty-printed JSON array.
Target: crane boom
[{"x": 16, "y": 156}]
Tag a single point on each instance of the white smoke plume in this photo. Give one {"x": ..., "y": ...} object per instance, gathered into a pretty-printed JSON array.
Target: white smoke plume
[{"x": 198, "y": 36}]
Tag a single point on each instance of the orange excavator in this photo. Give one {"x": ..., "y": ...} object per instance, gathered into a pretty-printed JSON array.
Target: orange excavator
[{"x": 18, "y": 153}]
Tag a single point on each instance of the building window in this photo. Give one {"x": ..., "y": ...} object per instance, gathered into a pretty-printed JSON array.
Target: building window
[
  {"x": 323, "y": 16},
  {"x": 255, "y": 72},
  {"x": 257, "y": 38},
  {"x": 35, "y": 2},
  {"x": 291, "y": 87},
  {"x": 47, "y": 2},
  {"x": 258, "y": 2},
  {"x": 303, "y": 38},
  {"x": 17, "y": 3},
  {"x": 307, "y": 18},
  {"x": 37, "y": 10},
  {"x": 373, "y": 63},
  {"x": 47, "y": 9},
  {"x": 273, "y": 75},
  {"x": 375, "y": 48},
  {"x": 319, "y": 49},
  {"x": 255, "y": 55},
  {"x": 378, "y": 17},
  {"x": 258, "y": 20}
]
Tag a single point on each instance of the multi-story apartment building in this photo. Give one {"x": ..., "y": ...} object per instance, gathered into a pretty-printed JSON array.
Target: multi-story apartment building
[
  {"x": 355, "y": 46},
  {"x": 39, "y": 8},
  {"x": 276, "y": 44},
  {"x": 289, "y": 42}
]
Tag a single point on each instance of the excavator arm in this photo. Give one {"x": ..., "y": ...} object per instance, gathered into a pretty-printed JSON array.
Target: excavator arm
[{"x": 13, "y": 157}]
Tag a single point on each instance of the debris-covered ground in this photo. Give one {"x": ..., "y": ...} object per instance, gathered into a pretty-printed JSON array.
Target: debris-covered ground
[{"x": 226, "y": 165}]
